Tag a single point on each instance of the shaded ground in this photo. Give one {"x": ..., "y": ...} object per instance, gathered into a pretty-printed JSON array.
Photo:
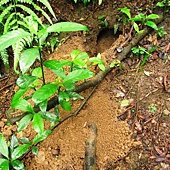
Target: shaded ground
[{"x": 145, "y": 121}]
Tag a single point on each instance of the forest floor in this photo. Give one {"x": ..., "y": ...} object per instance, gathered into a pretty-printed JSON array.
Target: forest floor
[{"x": 131, "y": 137}]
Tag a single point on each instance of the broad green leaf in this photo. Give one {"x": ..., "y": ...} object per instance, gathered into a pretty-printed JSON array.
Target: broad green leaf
[
  {"x": 27, "y": 58},
  {"x": 102, "y": 67},
  {"x": 43, "y": 106},
  {"x": 22, "y": 104},
  {"x": 3, "y": 146},
  {"x": 41, "y": 136},
  {"x": 35, "y": 150},
  {"x": 77, "y": 75},
  {"x": 65, "y": 105},
  {"x": 25, "y": 80},
  {"x": 66, "y": 27},
  {"x": 12, "y": 37},
  {"x": 96, "y": 60},
  {"x": 37, "y": 72},
  {"x": 152, "y": 16},
  {"x": 152, "y": 25},
  {"x": 136, "y": 27},
  {"x": 75, "y": 96},
  {"x": 126, "y": 11},
  {"x": 38, "y": 123},
  {"x": 51, "y": 117},
  {"x": 56, "y": 64},
  {"x": 42, "y": 35},
  {"x": 23, "y": 123},
  {"x": 75, "y": 53},
  {"x": 18, "y": 95},
  {"x": 24, "y": 140},
  {"x": 139, "y": 17},
  {"x": 19, "y": 151},
  {"x": 64, "y": 98},
  {"x": 60, "y": 73},
  {"x": 44, "y": 93},
  {"x": 4, "y": 164},
  {"x": 160, "y": 4},
  {"x": 17, "y": 164},
  {"x": 81, "y": 60},
  {"x": 14, "y": 142}
]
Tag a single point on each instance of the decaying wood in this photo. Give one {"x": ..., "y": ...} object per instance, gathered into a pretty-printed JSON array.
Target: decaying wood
[
  {"x": 102, "y": 74},
  {"x": 90, "y": 148}
]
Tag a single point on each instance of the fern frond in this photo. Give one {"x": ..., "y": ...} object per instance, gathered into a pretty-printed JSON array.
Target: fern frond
[
  {"x": 23, "y": 24},
  {"x": 12, "y": 23},
  {"x": 12, "y": 15},
  {"x": 5, "y": 12},
  {"x": 6, "y": 25},
  {"x": 36, "y": 7},
  {"x": 25, "y": 1},
  {"x": 3, "y": 2},
  {"x": 18, "y": 47},
  {"x": 30, "y": 12},
  {"x": 48, "y": 6},
  {"x": 4, "y": 57}
]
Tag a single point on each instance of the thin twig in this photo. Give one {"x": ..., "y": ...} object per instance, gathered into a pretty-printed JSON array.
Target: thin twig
[
  {"x": 77, "y": 111},
  {"x": 7, "y": 86},
  {"x": 3, "y": 78}
]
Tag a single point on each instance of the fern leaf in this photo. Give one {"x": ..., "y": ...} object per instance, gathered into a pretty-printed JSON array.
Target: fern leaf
[
  {"x": 5, "y": 12},
  {"x": 3, "y": 2},
  {"x": 7, "y": 25},
  {"x": 25, "y": 1},
  {"x": 36, "y": 7},
  {"x": 4, "y": 57},
  {"x": 23, "y": 24},
  {"x": 30, "y": 12},
  {"x": 11, "y": 38},
  {"x": 48, "y": 6},
  {"x": 18, "y": 48}
]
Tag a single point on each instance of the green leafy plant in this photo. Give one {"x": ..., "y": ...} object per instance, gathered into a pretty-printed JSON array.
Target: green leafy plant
[
  {"x": 68, "y": 73},
  {"x": 103, "y": 21},
  {"x": 28, "y": 39},
  {"x": 152, "y": 108},
  {"x": 164, "y": 3},
  {"x": 147, "y": 20},
  {"x": 11, "y": 152},
  {"x": 19, "y": 14},
  {"x": 145, "y": 53},
  {"x": 161, "y": 32}
]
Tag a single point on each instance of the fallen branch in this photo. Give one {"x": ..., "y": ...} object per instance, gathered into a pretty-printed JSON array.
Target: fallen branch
[{"x": 101, "y": 75}]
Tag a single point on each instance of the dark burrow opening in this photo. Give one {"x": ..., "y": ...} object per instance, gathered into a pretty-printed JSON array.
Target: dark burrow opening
[{"x": 105, "y": 39}]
